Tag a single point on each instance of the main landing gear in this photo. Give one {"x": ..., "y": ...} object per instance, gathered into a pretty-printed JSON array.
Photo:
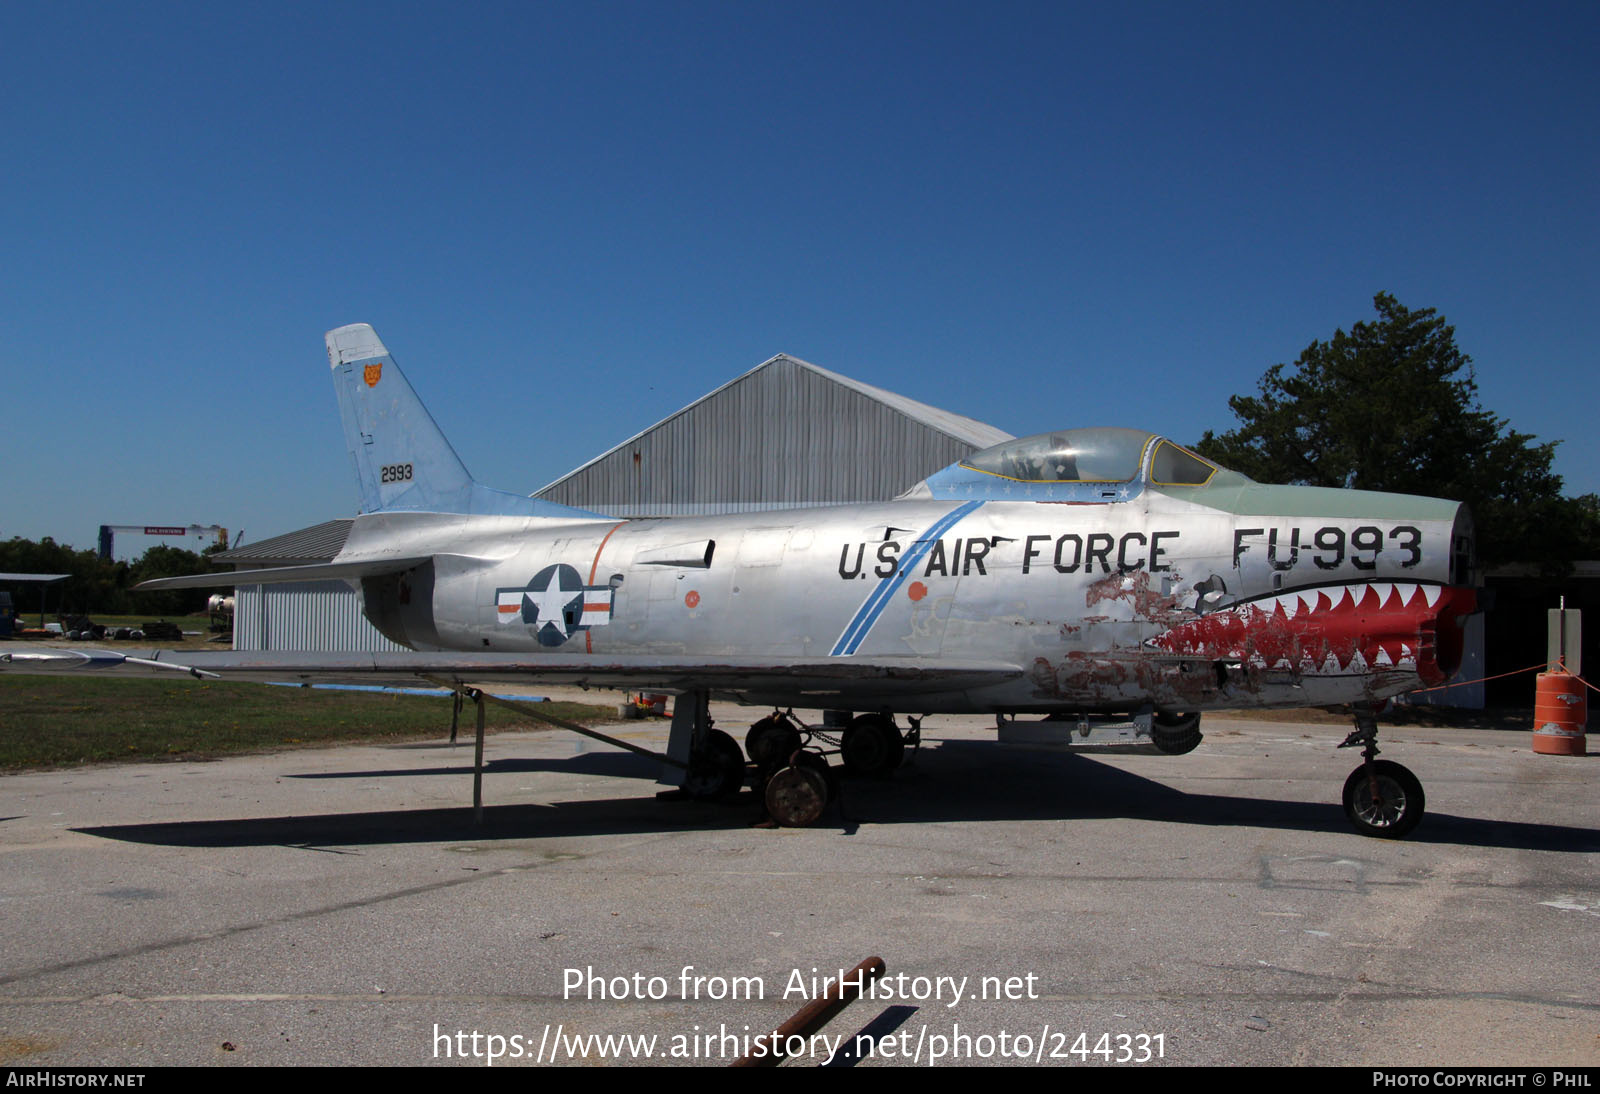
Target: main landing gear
[
  {"x": 872, "y": 746},
  {"x": 716, "y": 768},
  {"x": 795, "y": 783},
  {"x": 793, "y": 769},
  {"x": 710, "y": 765},
  {"x": 1381, "y": 798},
  {"x": 788, "y": 759},
  {"x": 1176, "y": 734}
]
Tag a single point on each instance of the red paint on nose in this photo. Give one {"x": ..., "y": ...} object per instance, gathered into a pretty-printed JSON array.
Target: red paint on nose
[{"x": 1380, "y": 626}]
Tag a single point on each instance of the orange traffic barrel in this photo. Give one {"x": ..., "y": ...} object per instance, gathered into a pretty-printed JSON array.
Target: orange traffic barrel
[{"x": 1560, "y": 713}]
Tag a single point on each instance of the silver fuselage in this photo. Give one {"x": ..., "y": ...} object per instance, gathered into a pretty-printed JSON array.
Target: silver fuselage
[{"x": 1105, "y": 606}]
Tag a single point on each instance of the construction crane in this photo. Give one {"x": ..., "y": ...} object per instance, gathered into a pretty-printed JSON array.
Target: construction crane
[{"x": 108, "y": 531}]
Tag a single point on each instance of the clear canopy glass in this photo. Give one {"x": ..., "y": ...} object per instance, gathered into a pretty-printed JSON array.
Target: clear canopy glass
[{"x": 1104, "y": 454}]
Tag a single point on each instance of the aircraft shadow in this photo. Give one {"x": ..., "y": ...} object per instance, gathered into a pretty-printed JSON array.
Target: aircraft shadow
[
  {"x": 588, "y": 818},
  {"x": 609, "y": 764},
  {"x": 958, "y": 781},
  {"x": 1067, "y": 786}
]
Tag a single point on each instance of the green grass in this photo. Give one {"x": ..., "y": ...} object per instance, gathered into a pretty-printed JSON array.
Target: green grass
[{"x": 52, "y": 721}]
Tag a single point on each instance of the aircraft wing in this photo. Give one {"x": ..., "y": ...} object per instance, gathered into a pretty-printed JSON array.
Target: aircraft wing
[{"x": 859, "y": 680}]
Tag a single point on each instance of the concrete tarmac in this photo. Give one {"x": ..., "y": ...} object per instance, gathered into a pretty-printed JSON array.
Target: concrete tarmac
[{"x": 339, "y": 906}]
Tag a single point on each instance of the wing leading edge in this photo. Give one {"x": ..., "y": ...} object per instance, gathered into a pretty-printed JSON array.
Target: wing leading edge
[{"x": 852, "y": 680}]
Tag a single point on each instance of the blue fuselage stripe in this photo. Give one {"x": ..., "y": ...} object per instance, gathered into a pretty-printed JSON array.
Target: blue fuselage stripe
[{"x": 866, "y": 615}]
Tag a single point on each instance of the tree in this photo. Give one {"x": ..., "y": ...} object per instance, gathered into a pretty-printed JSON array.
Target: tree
[
  {"x": 164, "y": 561},
  {"x": 1393, "y": 405},
  {"x": 96, "y": 586}
]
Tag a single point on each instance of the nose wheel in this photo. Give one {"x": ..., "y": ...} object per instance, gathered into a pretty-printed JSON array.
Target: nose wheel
[
  {"x": 1383, "y": 799},
  {"x": 1385, "y": 802}
]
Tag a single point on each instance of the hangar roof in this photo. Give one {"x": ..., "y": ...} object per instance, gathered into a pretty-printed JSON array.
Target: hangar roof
[{"x": 785, "y": 433}]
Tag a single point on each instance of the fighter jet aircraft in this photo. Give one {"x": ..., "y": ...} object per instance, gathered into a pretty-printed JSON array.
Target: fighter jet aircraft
[{"x": 1075, "y": 576}]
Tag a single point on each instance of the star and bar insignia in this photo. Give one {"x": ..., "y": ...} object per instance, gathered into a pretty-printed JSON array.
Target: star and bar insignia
[{"x": 556, "y": 603}]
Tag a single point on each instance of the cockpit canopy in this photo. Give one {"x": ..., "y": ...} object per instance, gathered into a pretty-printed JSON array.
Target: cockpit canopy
[
  {"x": 1106, "y": 454},
  {"x": 1098, "y": 464}
]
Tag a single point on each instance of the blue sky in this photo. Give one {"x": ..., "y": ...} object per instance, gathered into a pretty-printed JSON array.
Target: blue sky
[{"x": 569, "y": 220}]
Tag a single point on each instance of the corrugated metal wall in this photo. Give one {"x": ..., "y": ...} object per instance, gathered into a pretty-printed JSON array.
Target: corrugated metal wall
[
  {"x": 319, "y": 616},
  {"x": 782, "y": 435}
]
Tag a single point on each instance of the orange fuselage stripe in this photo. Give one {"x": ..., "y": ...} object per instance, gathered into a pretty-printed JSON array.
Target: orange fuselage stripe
[{"x": 594, "y": 568}]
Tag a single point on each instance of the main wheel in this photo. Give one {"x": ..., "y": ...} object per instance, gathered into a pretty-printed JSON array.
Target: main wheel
[
  {"x": 1386, "y": 804},
  {"x": 871, "y": 745},
  {"x": 771, "y": 742},
  {"x": 1176, "y": 734},
  {"x": 716, "y": 768}
]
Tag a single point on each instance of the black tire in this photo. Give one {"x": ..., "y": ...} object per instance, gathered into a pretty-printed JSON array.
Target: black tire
[
  {"x": 1396, "y": 807},
  {"x": 871, "y": 746},
  {"x": 771, "y": 742},
  {"x": 716, "y": 768},
  {"x": 1175, "y": 734}
]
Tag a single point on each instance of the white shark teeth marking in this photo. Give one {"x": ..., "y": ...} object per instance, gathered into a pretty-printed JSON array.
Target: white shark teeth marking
[
  {"x": 1382, "y": 659},
  {"x": 1305, "y": 604},
  {"x": 1345, "y": 599},
  {"x": 1432, "y": 593},
  {"x": 1384, "y": 590},
  {"x": 1330, "y": 664},
  {"x": 1358, "y": 663},
  {"x": 1406, "y": 591}
]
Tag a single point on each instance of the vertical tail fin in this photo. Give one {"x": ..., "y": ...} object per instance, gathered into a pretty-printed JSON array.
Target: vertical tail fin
[{"x": 402, "y": 459}]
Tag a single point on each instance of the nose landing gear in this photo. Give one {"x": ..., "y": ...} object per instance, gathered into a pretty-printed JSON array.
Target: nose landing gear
[{"x": 1382, "y": 798}]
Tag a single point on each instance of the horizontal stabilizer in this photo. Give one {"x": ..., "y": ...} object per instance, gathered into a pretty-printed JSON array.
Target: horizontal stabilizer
[{"x": 277, "y": 575}]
